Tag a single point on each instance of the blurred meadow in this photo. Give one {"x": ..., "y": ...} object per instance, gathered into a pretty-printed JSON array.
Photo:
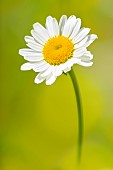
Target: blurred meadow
[{"x": 38, "y": 123}]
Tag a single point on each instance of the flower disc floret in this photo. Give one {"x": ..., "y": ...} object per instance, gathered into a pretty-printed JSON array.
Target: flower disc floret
[{"x": 58, "y": 50}]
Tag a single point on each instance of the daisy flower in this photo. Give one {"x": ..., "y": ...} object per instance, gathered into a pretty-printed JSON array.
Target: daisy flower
[{"x": 53, "y": 50}]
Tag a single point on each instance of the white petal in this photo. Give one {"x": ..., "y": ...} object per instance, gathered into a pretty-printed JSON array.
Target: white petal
[
  {"x": 50, "y": 79},
  {"x": 49, "y": 26},
  {"x": 71, "y": 62},
  {"x": 79, "y": 52},
  {"x": 41, "y": 68},
  {"x": 90, "y": 39},
  {"x": 52, "y": 26},
  {"x": 85, "y": 59},
  {"x": 25, "y": 51},
  {"x": 41, "y": 31},
  {"x": 48, "y": 71},
  {"x": 33, "y": 54},
  {"x": 35, "y": 47},
  {"x": 31, "y": 40},
  {"x": 86, "y": 64},
  {"x": 37, "y": 37},
  {"x": 81, "y": 43},
  {"x": 87, "y": 56},
  {"x": 69, "y": 26},
  {"x": 55, "y": 27},
  {"x": 76, "y": 28},
  {"x": 67, "y": 69},
  {"x": 63, "y": 66},
  {"x": 58, "y": 71},
  {"x": 39, "y": 79},
  {"x": 33, "y": 58},
  {"x": 82, "y": 34},
  {"x": 40, "y": 63},
  {"x": 27, "y": 66},
  {"x": 62, "y": 22}
]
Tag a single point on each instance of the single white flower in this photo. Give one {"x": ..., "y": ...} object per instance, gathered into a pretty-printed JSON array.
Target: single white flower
[{"x": 55, "y": 49}]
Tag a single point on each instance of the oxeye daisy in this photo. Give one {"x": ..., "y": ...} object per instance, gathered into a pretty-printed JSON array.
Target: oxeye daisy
[{"x": 55, "y": 48}]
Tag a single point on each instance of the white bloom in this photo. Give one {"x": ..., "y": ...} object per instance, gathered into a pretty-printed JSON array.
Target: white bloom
[{"x": 55, "y": 49}]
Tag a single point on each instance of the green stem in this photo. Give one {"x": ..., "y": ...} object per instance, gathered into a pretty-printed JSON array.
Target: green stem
[{"x": 80, "y": 113}]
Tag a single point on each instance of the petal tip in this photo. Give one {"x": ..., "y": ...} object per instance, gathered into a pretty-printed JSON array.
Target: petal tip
[
  {"x": 96, "y": 36},
  {"x": 20, "y": 52},
  {"x": 22, "y": 68},
  {"x": 36, "y": 81}
]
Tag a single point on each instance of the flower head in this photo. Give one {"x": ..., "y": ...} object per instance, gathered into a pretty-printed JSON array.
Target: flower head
[{"x": 55, "y": 49}]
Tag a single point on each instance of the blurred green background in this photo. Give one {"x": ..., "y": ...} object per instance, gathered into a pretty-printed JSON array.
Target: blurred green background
[{"x": 38, "y": 124}]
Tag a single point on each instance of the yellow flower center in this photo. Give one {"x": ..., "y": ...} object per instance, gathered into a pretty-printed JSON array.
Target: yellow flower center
[{"x": 58, "y": 50}]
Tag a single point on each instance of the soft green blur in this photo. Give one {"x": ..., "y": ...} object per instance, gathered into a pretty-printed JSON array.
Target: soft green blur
[{"x": 39, "y": 122}]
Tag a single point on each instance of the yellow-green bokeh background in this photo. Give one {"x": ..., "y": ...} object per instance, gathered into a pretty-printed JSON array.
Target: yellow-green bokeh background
[{"x": 38, "y": 123}]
